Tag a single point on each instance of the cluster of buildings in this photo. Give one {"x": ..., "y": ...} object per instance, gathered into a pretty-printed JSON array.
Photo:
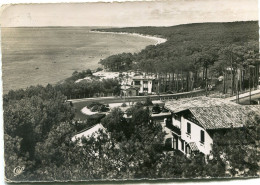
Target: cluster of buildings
[{"x": 132, "y": 84}]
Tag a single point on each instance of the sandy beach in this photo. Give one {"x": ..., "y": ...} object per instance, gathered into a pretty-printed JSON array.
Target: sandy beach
[{"x": 158, "y": 40}]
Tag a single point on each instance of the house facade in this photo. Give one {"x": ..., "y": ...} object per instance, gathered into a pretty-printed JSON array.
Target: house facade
[
  {"x": 194, "y": 120},
  {"x": 188, "y": 135},
  {"x": 145, "y": 84}
]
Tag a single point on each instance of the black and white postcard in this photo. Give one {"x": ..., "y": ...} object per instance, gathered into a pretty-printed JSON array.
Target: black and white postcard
[{"x": 115, "y": 91}]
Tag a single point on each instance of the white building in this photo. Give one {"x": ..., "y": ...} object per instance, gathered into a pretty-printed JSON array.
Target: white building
[
  {"x": 195, "y": 120},
  {"x": 146, "y": 84}
]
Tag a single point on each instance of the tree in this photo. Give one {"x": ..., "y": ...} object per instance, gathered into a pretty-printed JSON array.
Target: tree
[
  {"x": 119, "y": 62},
  {"x": 207, "y": 58},
  {"x": 148, "y": 102},
  {"x": 14, "y": 159},
  {"x": 233, "y": 55}
]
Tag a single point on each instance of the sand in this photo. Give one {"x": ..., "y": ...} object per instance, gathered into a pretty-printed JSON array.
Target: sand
[{"x": 158, "y": 40}]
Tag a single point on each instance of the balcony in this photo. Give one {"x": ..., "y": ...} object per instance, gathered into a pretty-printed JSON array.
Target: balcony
[{"x": 173, "y": 128}]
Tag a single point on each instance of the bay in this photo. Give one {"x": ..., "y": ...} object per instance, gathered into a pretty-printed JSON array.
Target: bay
[{"x": 42, "y": 55}]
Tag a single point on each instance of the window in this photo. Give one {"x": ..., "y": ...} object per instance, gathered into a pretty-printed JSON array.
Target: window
[
  {"x": 188, "y": 128},
  {"x": 188, "y": 150},
  {"x": 202, "y": 136},
  {"x": 175, "y": 143},
  {"x": 182, "y": 145},
  {"x": 137, "y": 83}
]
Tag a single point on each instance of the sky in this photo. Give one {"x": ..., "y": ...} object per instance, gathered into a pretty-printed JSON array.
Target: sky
[{"x": 121, "y": 14}]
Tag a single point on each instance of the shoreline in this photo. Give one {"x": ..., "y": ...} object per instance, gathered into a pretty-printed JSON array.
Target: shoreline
[{"x": 158, "y": 40}]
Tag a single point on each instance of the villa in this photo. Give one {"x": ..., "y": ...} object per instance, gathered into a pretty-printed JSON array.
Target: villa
[
  {"x": 194, "y": 121},
  {"x": 146, "y": 84}
]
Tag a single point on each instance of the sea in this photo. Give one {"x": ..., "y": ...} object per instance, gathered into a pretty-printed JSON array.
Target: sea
[{"x": 42, "y": 55}]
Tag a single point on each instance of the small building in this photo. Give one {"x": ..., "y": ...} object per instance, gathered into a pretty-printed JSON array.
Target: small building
[
  {"x": 195, "y": 120},
  {"x": 129, "y": 91}
]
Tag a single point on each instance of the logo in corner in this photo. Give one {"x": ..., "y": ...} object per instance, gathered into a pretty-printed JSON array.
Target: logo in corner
[{"x": 18, "y": 170}]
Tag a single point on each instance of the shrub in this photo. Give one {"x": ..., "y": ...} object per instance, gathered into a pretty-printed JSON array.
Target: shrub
[
  {"x": 148, "y": 102},
  {"x": 124, "y": 105},
  {"x": 92, "y": 104},
  {"x": 99, "y": 69},
  {"x": 103, "y": 108},
  {"x": 156, "y": 109},
  {"x": 95, "y": 108}
]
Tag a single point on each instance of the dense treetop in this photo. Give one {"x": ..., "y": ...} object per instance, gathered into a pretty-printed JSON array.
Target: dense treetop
[
  {"x": 192, "y": 49},
  {"x": 201, "y": 32}
]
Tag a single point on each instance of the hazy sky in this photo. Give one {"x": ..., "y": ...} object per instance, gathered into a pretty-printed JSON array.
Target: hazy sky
[{"x": 160, "y": 13}]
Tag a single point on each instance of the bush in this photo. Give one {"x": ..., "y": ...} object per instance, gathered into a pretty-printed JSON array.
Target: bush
[
  {"x": 94, "y": 119},
  {"x": 99, "y": 69},
  {"x": 103, "y": 108},
  {"x": 81, "y": 125},
  {"x": 124, "y": 105},
  {"x": 95, "y": 108},
  {"x": 148, "y": 102},
  {"x": 156, "y": 109},
  {"x": 92, "y": 104},
  {"x": 98, "y": 107},
  {"x": 139, "y": 104}
]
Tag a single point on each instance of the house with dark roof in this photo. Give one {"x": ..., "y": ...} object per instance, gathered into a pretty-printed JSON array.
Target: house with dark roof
[{"x": 194, "y": 121}]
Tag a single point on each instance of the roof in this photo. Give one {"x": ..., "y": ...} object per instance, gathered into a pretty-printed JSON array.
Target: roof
[
  {"x": 218, "y": 117},
  {"x": 142, "y": 77},
  {"x": 193, "y": 146},
  {"x": 215, "y": 113},
  {"x": 89, "y": 132},
  {"x": 201, "y": 101}
]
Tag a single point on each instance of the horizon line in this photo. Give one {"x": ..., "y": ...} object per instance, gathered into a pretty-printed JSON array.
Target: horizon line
[{"x": 127, "y": 26}]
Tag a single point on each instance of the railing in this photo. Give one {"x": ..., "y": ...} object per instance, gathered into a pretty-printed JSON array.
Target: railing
[{"x": 152, "y": 97}]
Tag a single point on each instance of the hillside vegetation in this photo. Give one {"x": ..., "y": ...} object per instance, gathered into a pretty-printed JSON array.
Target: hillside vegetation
[
  {"x": 198, "y": 33},
  {"x": 193, "y": 53}
]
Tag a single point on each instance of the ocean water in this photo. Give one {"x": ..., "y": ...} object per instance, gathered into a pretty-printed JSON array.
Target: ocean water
[{"x": 32, "y": 56}]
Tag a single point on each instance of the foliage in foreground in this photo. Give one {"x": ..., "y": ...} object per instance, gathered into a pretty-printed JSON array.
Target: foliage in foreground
[{"x": 128, "y": 149}]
